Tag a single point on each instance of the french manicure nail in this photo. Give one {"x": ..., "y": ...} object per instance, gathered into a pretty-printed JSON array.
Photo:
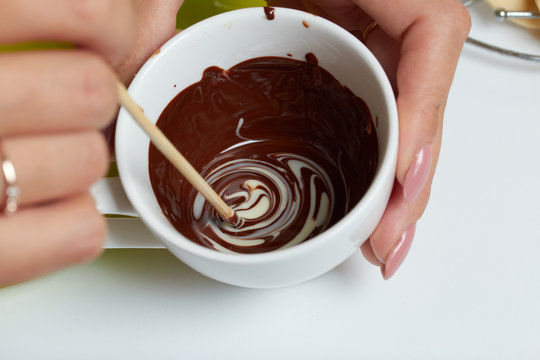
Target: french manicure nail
[
  {"x": 398, "y": 252},
  {"x": 418, "y": 174}
]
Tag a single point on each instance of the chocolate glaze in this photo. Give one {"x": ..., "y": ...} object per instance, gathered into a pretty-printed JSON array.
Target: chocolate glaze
[
  {"x": 282, "y": 133},
  {"x": 270, "y": 12}
]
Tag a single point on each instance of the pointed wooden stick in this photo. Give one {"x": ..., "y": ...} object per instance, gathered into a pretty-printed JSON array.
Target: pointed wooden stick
[{"x": 173, "y": 155}]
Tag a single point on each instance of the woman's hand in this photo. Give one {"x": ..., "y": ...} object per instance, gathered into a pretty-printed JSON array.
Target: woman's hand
[
  {"x": 155, "y": 24},
  {"x": 418, "y": 43},
  {"x": 52, "y": 105}
]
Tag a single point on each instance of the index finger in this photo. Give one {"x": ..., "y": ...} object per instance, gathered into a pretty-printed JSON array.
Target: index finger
[
  {"x": 101, "y": 25},
  {"x": 432, "y": 34}
]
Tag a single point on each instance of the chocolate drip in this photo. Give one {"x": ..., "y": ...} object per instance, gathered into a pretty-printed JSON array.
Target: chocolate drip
[
  {"x": 281, "y": 140},
  {"x": 270, "y": 12}
]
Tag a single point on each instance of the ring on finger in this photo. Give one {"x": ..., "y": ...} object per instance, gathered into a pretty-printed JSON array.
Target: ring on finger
[
  {"x": 368, "y": 29},
  {"x": 12, "y": 192}
]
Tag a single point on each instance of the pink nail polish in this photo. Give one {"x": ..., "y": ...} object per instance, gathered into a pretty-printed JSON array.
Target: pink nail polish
[
  {"x": 398, "y": 252},
  {"x": 418, "y": 173}
]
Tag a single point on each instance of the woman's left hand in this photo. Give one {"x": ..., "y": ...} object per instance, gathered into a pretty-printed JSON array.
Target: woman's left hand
[{"x": 155, "y": 24}]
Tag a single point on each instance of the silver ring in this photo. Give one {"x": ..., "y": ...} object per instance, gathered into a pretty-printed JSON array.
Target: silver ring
[{"x": 10, "y": 179}]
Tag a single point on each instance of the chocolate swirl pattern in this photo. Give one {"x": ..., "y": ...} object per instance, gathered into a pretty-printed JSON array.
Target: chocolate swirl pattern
[
  {"x": 269, "y": 196},
  {"x": 284, "y": 144}
]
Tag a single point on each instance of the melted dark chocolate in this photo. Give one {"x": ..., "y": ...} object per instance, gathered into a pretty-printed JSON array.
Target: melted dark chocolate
[
  {"x": 270, "y": 12},
  {"x": 281, "y": 133}
]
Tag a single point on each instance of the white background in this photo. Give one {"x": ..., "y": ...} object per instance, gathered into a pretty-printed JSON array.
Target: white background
[{"x": 469, "y": 289}]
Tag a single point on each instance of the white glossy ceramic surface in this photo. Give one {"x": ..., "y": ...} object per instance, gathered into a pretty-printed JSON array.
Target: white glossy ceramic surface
[{"x": 226, "y": 40}]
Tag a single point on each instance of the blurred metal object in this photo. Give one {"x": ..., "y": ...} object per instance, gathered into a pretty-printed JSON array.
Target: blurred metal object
[
  {"x": 468, "y": 2},
  {"x": 503, "y": 51},
  {"x": 503, "y": 14}
]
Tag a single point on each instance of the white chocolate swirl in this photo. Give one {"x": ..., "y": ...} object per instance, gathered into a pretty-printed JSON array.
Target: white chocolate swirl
[{"x": 270, "y": 196}]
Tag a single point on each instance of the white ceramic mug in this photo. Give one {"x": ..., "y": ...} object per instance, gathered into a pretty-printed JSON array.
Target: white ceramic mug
[{"x": 226, "y": 40}]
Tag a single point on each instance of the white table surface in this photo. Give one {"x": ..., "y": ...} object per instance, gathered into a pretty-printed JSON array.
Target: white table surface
[{"x": 470, "y": 288}]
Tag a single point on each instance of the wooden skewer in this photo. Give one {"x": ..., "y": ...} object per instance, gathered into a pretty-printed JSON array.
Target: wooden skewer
[{"x": 173, "y": 155}]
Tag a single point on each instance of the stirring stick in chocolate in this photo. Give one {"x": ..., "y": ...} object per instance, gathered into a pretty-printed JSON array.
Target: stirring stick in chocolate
[{"x": 174, "y": 156}]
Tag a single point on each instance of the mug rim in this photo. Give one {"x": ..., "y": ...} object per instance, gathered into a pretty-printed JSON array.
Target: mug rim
[{"x": 385, "y": 168}]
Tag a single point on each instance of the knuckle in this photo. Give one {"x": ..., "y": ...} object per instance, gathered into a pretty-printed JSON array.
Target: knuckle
[
  {"x": 95, "y": 155},
  {"x": 91, "y": 13},
  {"x": 97, "y": 90},
  {"x": 457, "y": 17},
  {"x": 461, "y": 17},
  {"x": 109, "y": 25},
  {"x": 90, "y": 244},
  {"x": 451, "y": 17}
]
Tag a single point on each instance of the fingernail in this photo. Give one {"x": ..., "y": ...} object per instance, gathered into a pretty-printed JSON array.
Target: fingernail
[
  {"x": 398, "y": 253},
  {"x": 418, "y": 173}
]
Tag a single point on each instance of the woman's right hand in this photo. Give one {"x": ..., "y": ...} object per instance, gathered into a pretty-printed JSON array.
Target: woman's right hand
[
  {"x": 52, "y": 105},
  {"x": 418, "y": 43}
]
